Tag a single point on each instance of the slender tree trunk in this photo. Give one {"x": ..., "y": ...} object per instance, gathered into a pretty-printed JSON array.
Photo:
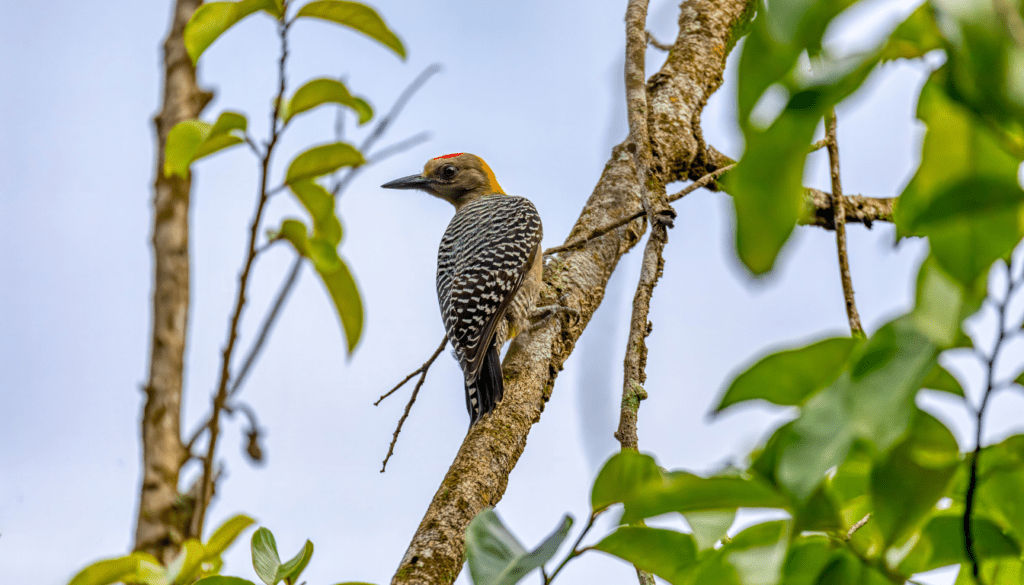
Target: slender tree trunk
[
  {"x": 479, "y": 475},
  {"x": 163, "y": 514}
]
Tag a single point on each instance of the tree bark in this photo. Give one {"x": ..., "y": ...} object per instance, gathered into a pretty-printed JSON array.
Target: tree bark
[
  {"x": 676, "y": 96},
  {"x": 163, "y": 514}
]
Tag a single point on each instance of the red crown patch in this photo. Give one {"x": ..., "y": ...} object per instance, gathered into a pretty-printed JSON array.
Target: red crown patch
[{"x": 452, "y": 155}]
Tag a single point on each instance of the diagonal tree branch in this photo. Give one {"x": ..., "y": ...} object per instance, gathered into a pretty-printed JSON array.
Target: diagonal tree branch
[
  {"x": 159, "y": 529},
  {"x": 479, "y": 475}
]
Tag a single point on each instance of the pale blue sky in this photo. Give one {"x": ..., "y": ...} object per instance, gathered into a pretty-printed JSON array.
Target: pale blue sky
[{"x": 535, "y": 88}]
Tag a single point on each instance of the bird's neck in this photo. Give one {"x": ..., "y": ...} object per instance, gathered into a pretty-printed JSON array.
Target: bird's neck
[{"x": 472, "y": 196}]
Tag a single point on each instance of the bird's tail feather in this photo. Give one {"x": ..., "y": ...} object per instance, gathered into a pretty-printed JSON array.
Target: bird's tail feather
[{"x": 488, "y": 388}]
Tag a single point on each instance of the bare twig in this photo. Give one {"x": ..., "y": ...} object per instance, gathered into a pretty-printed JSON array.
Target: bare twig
[
  {"x": 990, "y": 385},
  {"x": 422, "y": 371},
  {"x": 819, "y": 144},
  {"x": 701, "y": 182},
  {"x": 659, "y": 216},
  {"x": 268, "y": 323},
  {"x": 220, "y": 398},
  {"x": 856, "y": 329},
  {"x": 656, "y": 43},
  {"x": 857, "y": 526}
]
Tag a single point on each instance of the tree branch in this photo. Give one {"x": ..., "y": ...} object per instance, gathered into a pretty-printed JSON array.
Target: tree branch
[
  {"x": 158, "y": 530},
  {"x": 856, "y": 329},
  {"x": 479, "y": 475}
]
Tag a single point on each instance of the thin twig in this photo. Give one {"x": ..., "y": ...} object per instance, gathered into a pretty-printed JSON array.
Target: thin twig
[
  {"x": 657, "y": 44},
  {"x": 422, "y": 371},
  {"x": 268, "y": 323},
  {"x": 856, "y": 329},
  {"x": 701, "y": 182},
  {"x": 576, "y": 550},
  {"x": 819, "y": 145},
  {"x": 990, "y": 362},
  {"x": 220, "y": 398},
  {"x": 857, "y": 526}
]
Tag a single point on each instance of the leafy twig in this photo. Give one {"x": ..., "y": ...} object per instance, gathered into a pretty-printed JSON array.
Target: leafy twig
[
  {"x": 220, "y": 398},
  {"x": 990, "y": 385},
  {"x": 422, "y": 371}
]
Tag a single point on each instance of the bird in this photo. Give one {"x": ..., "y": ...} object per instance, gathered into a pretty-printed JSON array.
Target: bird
[{"x": 489, "y": 266}]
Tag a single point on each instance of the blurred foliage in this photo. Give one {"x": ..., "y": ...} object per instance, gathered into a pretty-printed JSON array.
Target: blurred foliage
[
  {"x": 192, "y": 140},
  {"x": 874, "y": 488}
]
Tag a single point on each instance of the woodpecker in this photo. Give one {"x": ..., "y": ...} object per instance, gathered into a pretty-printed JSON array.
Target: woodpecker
[{"x": 489, "y": 268}]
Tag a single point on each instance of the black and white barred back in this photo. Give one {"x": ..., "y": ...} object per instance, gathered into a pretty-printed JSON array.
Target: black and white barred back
[{"x": 483, "y": 259}]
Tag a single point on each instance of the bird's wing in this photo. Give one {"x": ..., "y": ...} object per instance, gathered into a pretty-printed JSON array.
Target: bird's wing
[{"x": 490, "y": 248}]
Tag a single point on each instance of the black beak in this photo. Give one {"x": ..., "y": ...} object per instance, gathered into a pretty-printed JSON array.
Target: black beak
[{"x": 410, "y": 182}]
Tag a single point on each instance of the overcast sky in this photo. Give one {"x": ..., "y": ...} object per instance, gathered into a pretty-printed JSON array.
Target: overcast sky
[{"x": 535, "y": 88}]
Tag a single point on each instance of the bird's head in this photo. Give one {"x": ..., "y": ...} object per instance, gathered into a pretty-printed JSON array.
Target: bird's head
[{"x": 457, "y": 178}]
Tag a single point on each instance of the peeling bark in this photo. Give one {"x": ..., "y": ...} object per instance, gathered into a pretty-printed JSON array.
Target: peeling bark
[
  {"x": 163, "y": 514},
  {"x": 479, "y": 475}
]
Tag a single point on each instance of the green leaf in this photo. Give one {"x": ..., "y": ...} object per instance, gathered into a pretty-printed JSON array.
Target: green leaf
[
  {"x": 333, "y": 273},
  {"x": 907, "y": 483},
  {"x": 621, "y": 476},
  {"x": 322, "y": 160},
  {"x": 758, "y": 554},
  {"x": 807, "y": 557},
  {"x": 187, "y": 565},
  {"x": 222, "y": 580},
  {"x": 789, "y": 377},
  {"x": 872, "y": 403},
  {"x": 213, "y": 19},
  {"x": 1000, "y": 477},
  {"x": 108, "y": 571},
  {"x": 942, "y": 305},
  {"x": 322, "y": 91},
  {"x": 668, "y": 554},
  {"x": 192, "y": 140},
  {"x": 709, "y": 527},
  {"x": 290, "y": 570},
  {"x": 320, "y": 204},
  {"x": 940, "y": 379},
  {"x": 684, "y": 492},
  {"x": 494, "y": 555},
  {"x": 226, "y": 533},
  {"x": 914, "y": 37},
  {"x": 347, "y": 303},
  {"x": 265, "y": 559},
  {"x": 356, "y": 16},
  {"x": 941, "y": 543},
  {"x": 965, "y": 196}
]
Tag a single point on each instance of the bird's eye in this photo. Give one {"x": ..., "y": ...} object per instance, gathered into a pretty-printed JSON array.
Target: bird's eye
[{"x": 448, "y": 172}]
